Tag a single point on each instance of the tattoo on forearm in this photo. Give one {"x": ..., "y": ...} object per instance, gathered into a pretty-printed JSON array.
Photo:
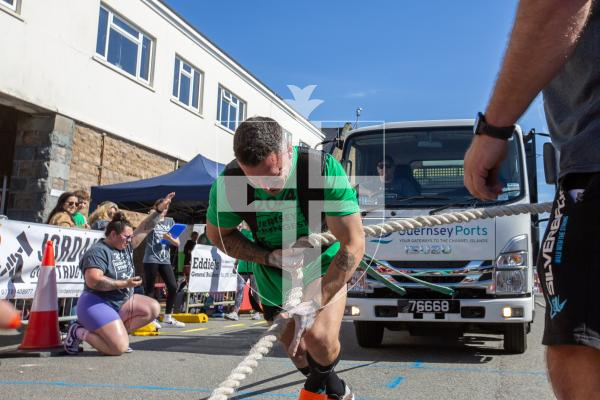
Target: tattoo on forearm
[
  {"x": 149, "y": 222},
  {"x": 236, "y": 245},
  {"x": 344, "y": 260},
  {"x": 144, "y": 228},
  {"x": 105, "y": 285}
]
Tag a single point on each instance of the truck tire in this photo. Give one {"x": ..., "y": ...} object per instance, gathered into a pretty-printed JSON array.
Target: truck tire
[
  {"x": 368, "y": 334},
  {"x": 515, "y": 338}
]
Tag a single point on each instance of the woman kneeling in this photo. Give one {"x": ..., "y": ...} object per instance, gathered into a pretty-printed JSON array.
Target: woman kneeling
[{"x": 107, "y": 309}]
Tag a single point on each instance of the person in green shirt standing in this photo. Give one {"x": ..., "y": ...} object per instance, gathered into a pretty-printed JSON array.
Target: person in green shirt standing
[{"x": 266, "y": 186}]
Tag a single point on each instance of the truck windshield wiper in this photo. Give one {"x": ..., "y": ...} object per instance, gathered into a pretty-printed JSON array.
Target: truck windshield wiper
[
  {"x": 468, "y": 201},
  {"x": 404, "y": 199}
]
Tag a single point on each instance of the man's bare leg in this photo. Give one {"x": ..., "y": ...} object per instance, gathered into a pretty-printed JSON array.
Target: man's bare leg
[{"x": 574, "y": 372}]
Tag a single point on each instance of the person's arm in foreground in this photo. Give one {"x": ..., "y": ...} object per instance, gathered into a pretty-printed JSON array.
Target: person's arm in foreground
[
  {"x": 232, "y": 242},
  {"x": 349, "y": 231},
  {"x": 544, "y": 35}
]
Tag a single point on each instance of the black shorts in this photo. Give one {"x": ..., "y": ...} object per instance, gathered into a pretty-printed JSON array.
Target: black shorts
[{"x": 569, "y": 265}]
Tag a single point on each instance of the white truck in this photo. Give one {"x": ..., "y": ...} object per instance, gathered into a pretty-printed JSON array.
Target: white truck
[{"x": 488, "y": 263}]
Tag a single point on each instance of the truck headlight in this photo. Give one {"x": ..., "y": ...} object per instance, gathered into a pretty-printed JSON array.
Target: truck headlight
[
  {"x": 510, "y": 281},
  {"x": 510, "y": 269},
  {"x": 512, "y": 260}
]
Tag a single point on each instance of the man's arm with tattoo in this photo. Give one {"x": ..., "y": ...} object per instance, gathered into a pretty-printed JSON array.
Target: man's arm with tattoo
[
  {"x": 348, "y": 229},
  {"x": 236, "y": 245}
]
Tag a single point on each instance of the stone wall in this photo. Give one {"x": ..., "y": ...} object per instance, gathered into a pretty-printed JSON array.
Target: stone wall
[
  {"x": 41, "y": 163},
  {"x": 102, "y": 159},
  {"x": 55, "y": 152}
]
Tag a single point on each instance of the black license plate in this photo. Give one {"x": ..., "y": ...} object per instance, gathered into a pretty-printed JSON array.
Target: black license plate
[{"x": 429, "y": 306}]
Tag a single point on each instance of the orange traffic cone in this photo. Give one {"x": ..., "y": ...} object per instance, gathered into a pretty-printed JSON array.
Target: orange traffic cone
[
  {"x": 42, "y": 330},
  {"x": 246, "y": 306}
]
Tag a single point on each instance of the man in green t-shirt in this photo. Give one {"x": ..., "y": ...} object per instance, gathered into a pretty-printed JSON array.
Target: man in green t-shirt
[{"x": 270, "y": 165}]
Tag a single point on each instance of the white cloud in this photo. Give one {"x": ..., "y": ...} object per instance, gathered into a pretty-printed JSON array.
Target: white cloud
[{"x": 361, "y": 94}]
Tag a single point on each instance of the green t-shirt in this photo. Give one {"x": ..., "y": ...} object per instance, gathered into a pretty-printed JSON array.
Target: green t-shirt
[
  {"x": 280, "y": 223},
  {"x": 79, "y": 219}
]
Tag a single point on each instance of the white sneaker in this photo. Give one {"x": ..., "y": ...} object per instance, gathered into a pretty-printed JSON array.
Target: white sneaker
[
  {"x": 256, "y": 316},
  {"x": 232, "y": 316},
  {"x": 156, "y": 324},
  {"x": 174, "y": 323}
]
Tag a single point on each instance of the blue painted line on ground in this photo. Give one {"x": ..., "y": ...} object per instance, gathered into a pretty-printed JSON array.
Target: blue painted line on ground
[
  {"x": 106, "y": 386},
  {"x": 395, "y": 382},
  {"x": 149, "y": 387}
]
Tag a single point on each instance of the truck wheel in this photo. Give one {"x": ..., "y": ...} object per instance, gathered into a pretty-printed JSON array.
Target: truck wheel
[
  {"x": 515, "y": 338},
  {"x": 369, "y": 334}
]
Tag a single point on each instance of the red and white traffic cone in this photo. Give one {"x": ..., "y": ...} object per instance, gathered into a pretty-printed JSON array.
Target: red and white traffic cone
[{"x": 42, "y": 329}]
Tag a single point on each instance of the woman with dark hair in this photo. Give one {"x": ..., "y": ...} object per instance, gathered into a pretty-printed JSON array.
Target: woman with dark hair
[
  {"x": 62, "y": 213},
  {"x": 108, "y": 309},
  {"x": 157, "y": 259}
]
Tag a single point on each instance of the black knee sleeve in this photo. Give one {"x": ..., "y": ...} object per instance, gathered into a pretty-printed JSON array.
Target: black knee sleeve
[{"x": 323, "y": 378}]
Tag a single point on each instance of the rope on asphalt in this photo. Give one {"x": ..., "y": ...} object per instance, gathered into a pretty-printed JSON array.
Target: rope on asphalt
[{"x": 267, "y": 340}]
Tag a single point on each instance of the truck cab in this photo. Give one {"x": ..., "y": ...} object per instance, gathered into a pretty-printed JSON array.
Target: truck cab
[{"x": 403, "y": 170}]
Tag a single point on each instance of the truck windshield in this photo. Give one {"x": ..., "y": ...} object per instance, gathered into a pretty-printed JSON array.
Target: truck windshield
[{"x": 420, "y": 168}]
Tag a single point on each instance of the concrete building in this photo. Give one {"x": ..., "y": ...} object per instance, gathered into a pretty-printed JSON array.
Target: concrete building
[{"x": 97, "y": 92}]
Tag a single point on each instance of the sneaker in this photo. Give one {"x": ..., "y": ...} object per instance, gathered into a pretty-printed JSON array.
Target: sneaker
[
  {"x": 174, "y": 323},
  {"x": 156, "y": 324},
  {"x": 232, "y": 316},
  {"x": 348, "y": 395},
  {"x": 129, "y": 350},
  {"x": 256, "y": 316},
  {"x": 307, "y": 395},
  {"x": 71, "y": 343}
]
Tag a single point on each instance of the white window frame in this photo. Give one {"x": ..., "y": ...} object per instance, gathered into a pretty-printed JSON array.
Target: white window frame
[
  {"x": 182, "y": 71},
  {"x": 14, "y": 6},
  {"x": 239, "y": 118},
  {"x": 137, "y": 40}
]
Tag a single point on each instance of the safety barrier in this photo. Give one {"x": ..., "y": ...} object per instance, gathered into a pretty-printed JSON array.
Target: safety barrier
[{"x": 66, "y": 308}]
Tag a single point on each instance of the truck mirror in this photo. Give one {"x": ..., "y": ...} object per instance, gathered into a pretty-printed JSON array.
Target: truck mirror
[{"x": 550, "y": 165}]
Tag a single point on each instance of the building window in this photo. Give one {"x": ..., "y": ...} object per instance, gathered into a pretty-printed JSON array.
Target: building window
[
  {"x": 12, "y": 4},
  {"x": 187, "y": 84},
  {"x": 231, "y": 109},
  {"x": 124, "y": 46}
]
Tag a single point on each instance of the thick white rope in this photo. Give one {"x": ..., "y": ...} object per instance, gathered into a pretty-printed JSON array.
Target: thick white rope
[{"x": 267, "y": 340}]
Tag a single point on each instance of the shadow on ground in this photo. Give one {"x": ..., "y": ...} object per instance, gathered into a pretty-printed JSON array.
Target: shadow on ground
[{"x": 397, "y": 346}]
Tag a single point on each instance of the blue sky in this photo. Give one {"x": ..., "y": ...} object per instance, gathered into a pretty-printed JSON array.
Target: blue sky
[{"x": 398, "y": 60}]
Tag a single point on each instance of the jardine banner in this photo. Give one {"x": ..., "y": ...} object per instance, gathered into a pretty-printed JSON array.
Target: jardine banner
[
  {"x": 212, "y": 271},
  {"x": 21, "y": 251}
]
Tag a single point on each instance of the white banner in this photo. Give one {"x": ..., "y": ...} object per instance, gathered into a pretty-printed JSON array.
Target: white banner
[
  {"x": 21, "y": 250},
  {"x": 212, "y": 271}
]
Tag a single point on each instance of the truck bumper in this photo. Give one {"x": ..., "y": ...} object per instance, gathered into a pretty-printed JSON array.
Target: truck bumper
[{"x": 473, "y": 311}]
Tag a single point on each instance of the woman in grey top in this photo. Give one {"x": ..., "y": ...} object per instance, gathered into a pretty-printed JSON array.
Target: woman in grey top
[
  {"x": 157, "y": 259},
  {"x": 107, "y": 309}
]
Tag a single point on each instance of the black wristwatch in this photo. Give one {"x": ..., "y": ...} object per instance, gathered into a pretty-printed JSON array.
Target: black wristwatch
[{"x": 481, "y": 127}]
